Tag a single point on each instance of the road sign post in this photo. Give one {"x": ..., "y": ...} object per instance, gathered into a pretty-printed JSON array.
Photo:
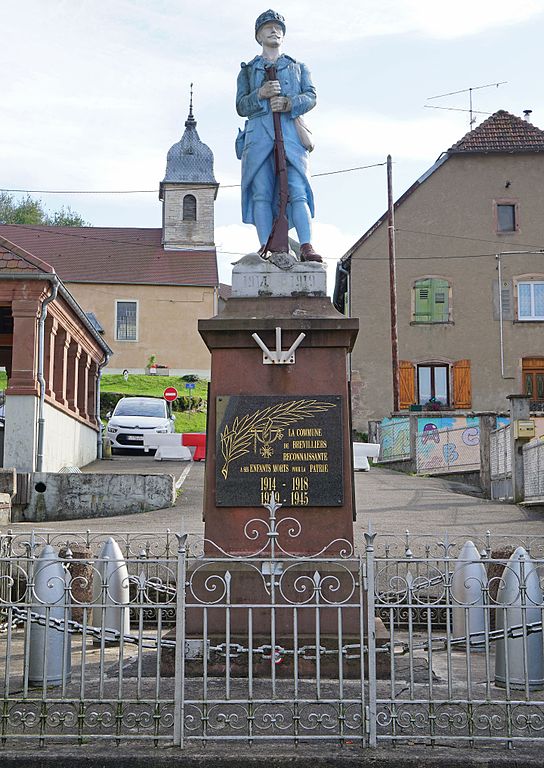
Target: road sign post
[{"x": 170, "y": 394}]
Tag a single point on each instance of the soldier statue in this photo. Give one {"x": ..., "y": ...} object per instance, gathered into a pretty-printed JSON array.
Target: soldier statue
[{"x": 273, "y": 92}]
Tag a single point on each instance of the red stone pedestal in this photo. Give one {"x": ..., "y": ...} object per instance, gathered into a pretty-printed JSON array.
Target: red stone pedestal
[{"x": 320, "y": 370}]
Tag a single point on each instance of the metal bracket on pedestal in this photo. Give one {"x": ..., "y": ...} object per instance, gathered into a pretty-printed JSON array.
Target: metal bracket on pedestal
[{"x": 278, "y": 356}]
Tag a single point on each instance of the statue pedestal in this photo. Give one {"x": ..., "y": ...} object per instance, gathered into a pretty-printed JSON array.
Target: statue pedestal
[
  {"x": 279, "y": 592},
  {"x": 282, "y": 429}
]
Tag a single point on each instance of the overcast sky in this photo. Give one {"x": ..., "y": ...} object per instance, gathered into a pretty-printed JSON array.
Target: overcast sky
[{"x": 94, "y": 92}]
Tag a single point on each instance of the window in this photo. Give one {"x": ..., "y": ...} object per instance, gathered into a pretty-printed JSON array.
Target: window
[
  {"x": 507, "y": 217},
  {"x": 431, "y": 301},
  {"x": 433, "y": 384},
  {"x": 189, "y": 208},
  {"x": 126, "y": 320},
  {"x": 531, "y": 300},
  {"x": 533, "y": 378}
]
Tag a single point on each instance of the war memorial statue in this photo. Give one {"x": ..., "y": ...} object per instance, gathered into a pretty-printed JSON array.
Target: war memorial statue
[
  {"x": 273, "y": 92},
  {"x": 278, "y": 407}
]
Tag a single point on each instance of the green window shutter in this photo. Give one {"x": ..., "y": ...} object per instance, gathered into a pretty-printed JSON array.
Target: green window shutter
[
  {"x": 439, "y": 301},
  {"x": 423, "y": 301}
]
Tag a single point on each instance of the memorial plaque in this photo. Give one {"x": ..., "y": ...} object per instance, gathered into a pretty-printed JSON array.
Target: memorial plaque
[{"x": 290, "y": 446}]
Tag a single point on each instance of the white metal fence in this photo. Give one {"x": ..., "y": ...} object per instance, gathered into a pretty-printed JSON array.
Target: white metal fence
[
  {"x": 533, "y": 471},
  {"x": 412, "y": 639},
  {"x": 501, "y": 464}
]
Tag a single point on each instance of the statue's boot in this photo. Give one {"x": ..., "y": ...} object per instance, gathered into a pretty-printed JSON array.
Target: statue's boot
[{"x": 307, "y": 253}]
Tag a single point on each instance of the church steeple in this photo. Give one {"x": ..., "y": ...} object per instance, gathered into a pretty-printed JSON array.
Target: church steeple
[
  {"x": 188, "y": 191},
  {"x": 190, "y": 122}
]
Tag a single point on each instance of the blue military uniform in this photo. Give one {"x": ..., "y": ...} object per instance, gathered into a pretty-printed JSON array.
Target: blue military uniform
[{"x": 256, "y": 143}]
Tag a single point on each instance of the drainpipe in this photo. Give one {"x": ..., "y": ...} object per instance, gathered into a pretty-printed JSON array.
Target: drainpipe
[
  {"x": 41, "y": 380},
  {"x": 501, "y": 336},
  {"x": 99, "y": 441}
]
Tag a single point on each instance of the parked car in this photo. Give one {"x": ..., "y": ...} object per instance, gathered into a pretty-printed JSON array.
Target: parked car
[{"x": 134, "y": 416}]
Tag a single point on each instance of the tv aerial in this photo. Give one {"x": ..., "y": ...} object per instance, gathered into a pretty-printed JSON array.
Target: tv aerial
[{"x": 472, "y": 112}]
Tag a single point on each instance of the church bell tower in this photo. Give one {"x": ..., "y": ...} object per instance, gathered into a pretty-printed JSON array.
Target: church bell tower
[{"x": 188, "y": 192}]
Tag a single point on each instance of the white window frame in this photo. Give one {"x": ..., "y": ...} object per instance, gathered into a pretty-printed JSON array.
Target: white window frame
[
  {"x": 532, "y": 316},
  {"x": 126, "y": 301}
]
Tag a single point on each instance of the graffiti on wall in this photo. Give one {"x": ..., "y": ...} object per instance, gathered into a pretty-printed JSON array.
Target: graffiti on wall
[
  {"x": 445, "y": 444},
  {"x": 394, "y": 437}
]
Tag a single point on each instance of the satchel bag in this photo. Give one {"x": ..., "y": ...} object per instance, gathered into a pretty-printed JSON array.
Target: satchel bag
[
  {"x": 304, "y": 134},
  {"x": 240, "y": 141}
]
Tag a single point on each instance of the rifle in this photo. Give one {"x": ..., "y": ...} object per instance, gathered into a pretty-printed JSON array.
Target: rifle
[{"x": 278, "y": 241}]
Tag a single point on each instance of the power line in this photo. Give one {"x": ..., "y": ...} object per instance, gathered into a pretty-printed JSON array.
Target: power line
[
  {"x": 48, "y": 231},
  {"x": 460, "y": 237},
  {"x": 155, "y": 191}
]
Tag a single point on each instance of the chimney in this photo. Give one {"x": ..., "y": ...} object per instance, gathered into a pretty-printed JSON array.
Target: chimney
[{"x": 527, "y": 114}]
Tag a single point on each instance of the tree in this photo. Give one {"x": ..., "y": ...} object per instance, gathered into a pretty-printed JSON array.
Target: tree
[{"x": 32, "y": 212}]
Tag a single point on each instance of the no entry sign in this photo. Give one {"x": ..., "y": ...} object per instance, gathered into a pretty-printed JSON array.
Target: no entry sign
[{"x": 170, "y": 394}]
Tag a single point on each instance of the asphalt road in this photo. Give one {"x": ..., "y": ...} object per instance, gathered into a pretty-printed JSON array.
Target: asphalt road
[{"x": 391, "y": 501}]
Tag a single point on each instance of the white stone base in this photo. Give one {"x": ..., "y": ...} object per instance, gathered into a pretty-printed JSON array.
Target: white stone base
[{"x": 253, "y": 276}]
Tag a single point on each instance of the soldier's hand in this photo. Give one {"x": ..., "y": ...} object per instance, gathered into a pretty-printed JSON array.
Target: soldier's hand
[
  {"x": 269, "y": 89},
  {"x": 280, "y": 104}
]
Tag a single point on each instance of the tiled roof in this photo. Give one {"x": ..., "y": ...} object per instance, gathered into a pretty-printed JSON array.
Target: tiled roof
[
  {"x": 502, "y": 132},
  {"x": 225, "y": 291},
  {"x": 114, "y": 255},
  {"x": 15, "y": 259}
]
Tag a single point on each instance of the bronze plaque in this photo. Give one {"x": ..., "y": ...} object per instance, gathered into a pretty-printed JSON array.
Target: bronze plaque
[{"x": 289, "y": 446}]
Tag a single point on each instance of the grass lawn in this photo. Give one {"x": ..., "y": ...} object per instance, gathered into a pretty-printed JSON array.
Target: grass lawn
[
  {"x": 154, "y": 386},
  {"x": 150, "y": 386},
  {"x": 190, "y": 421}
]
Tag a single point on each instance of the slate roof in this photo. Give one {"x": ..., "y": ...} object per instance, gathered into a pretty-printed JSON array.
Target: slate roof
[
  {"x": 190, "y": 161},
  {"x": 502, "y": 132},
  {"x": 122, "y": 255}
]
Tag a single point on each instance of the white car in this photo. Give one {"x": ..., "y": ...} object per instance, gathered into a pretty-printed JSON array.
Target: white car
[{"x": 135, "y": 416}]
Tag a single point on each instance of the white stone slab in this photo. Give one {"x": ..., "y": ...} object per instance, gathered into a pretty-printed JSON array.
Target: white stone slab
[
  {"x": 253, "y": 276},
  {"x": 172, "y": 453}
]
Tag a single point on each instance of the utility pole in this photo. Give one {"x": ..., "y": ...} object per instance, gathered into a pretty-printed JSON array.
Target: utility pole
[{"x": 392, "y": 285}]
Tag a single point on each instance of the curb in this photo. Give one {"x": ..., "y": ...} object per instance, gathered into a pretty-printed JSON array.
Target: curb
[{"x": 419, "y": 756}]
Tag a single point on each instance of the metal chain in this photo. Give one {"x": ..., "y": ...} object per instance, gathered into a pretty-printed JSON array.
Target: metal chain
[
  {"x": 475, "y": 639},
  {"x": 72, "y": 627}
]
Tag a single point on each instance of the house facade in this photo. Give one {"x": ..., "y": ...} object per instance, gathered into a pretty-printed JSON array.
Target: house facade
[
  {"x": 469, "y": 281},
  {"x": 147, "y": 287},
  {"x": 53, "y": 357}
]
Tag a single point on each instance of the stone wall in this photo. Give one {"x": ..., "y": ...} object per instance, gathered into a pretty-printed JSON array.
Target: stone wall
[
  {"x": 72, "y": 496},
  {"x": 184, "y": 234}
]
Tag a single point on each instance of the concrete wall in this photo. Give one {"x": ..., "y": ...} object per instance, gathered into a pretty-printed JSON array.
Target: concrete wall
[
  {"x": 68, "y": 442},
  {"x": 167, "y": 323},
  {"x": 446, "y": 228},
  {"x": 21, "y": 416},
  {"x": 73, "y": 496}
]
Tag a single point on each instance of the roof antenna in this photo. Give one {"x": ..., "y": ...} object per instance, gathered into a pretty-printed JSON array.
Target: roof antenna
[{"x": 471, "y": 111}]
